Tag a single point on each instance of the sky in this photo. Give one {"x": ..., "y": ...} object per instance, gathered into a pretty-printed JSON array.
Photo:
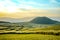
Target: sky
[{"x": 29, "y": 8}]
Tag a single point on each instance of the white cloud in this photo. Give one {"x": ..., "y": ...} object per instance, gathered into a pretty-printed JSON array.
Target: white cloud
[
  {"x": 7, "y": 6},
  {"x": 10, "y": 6}
]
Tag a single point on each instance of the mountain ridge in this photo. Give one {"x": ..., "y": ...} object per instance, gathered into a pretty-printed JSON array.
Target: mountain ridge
[{"x": 43, "y": 20}]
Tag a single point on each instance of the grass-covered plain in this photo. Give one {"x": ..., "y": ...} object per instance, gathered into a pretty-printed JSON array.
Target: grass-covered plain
[{"x": 28, "y": 37}]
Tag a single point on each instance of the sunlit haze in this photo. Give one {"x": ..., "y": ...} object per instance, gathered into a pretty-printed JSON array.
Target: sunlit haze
[{"x": 29, "y": 8}]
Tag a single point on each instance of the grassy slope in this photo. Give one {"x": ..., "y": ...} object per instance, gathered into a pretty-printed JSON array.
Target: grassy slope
[
  {"x": 28, "y": 37},
  {"x": 54, "y": 27}
]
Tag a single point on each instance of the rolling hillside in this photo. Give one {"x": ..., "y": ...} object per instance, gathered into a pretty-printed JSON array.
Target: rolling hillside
[{"x": 53, "y": 27}]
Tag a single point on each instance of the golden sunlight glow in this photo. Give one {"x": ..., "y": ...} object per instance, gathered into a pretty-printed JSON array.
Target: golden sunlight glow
[
  {"x": 11, "y": 9},
  {"x": 29, "y": 13}
]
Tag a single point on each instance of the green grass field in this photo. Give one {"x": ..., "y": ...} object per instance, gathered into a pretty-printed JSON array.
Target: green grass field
[{"x": 28, "y": 37}]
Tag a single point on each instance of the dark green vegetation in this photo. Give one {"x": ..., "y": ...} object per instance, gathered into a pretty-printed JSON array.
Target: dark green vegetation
[
  {"x": 4, "y": 22},
  {"x": 43, "y": 20}
]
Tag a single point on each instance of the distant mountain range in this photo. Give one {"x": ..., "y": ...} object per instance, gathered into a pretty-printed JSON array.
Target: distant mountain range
[
  {"x": 43, "y": 20},
  {"x": 14, "y": 20},
  {"x": 37, "y": 20}
]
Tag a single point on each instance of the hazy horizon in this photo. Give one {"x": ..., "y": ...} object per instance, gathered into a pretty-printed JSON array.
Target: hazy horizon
[{"x": 30, "y": 8}]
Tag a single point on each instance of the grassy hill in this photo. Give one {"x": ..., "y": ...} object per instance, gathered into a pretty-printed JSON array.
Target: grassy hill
[{"x": 43, "y": 20}]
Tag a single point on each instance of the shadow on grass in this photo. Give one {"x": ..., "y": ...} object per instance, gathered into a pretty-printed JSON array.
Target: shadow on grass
[{"x": 44, "y": 33}]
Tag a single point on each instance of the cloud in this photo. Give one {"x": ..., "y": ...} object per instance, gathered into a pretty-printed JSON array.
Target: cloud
[
  {"x": 7, "y": 6},
  {"x": 23, "y": 5},
  {"x": 29, "y": 4},
  {"x": 55, "y": 1}
]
